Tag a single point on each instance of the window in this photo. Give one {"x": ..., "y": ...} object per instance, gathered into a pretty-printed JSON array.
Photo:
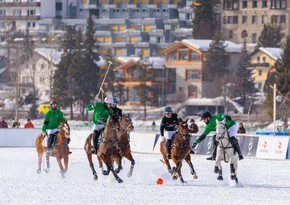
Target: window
[
  {"x": 264, "y": 19},
  {"x": 172, "y": 56},
  {"x": 171, "y": 75},
  {"x": 283, "y": 19},
  {"x": 278, "y": 4},
  {"x": 183, "y": 55},
  {"x": 245, "y": 4},
  {"x": 28, "y": 24},
  {"x": 244, "y": 19},
  {"x": 193, "y": 75},
  {"x": 264, "y": 4},
  {"x": 41, "y": 80},
  {"x": 254, "y": 19},
  {"x": 230, "y": 34},
  {"x": 192, "y": 91},
  {"x": 258, "y": 59},
  {"x": 16, "y": 12},
  {"x": 2, "y": 12},
  {"x": 58, "y": 6},
  {"x": 264, "y": 59},
  {"x": 254, "y": 38},
  {"x": 260, "y": 72},
  {"x": 194, "y": 56},
  {"x": 255, "y": 5},
  {"x": 274, "y": 19},
  {"x": 244, "y": 34},
  {"x": 31, "y": 12},
  {"x": 2, "y": 1}
]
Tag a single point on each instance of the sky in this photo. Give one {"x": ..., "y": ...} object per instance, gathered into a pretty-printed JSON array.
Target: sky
[{"x": 261, "y": 182}]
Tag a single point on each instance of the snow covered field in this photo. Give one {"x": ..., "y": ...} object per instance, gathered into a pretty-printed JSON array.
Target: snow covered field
[{"x": 262, "y": 182}]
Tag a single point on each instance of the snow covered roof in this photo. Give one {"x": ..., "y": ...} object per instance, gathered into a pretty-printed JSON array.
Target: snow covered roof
[
  {"x": 158, "y": 62},
  {"x": 204, "y": 45},
  {"x": 51, "y": 54},
  {"x": 274, "y": 53}
]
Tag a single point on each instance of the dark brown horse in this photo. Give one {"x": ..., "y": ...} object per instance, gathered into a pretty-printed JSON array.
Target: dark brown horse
[
  {"x": 60, "y": 150},
  {"x": 108, "y": 148},
  {"x": 180, "y": 150},
  {"x": 126, "y": 126}
]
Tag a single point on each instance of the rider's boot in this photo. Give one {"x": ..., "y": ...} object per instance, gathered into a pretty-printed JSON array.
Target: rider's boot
[
  {"x": 96, "y": 135},
  {"x": 168, "y": 147},
  {"x": 236, "y": 146},
  {"x": 214, "y": 153},
  {"x": 50, "y": 141}
]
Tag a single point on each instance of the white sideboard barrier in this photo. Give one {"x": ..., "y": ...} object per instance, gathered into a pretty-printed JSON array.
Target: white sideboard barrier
[{"x": 268, "y": 147}]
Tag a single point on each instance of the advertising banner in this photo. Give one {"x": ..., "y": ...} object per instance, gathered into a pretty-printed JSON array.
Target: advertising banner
[{"x": 272, "y": 147}]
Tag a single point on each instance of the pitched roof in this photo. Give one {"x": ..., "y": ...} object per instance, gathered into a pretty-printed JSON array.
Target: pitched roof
[
  {"x": 274, "y": 53},
  {"x": 204, "y": 45}
]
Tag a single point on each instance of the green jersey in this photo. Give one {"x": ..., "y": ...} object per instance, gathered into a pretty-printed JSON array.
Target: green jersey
[
  {"x": 52, "y": 119},
  {"x": 211, "y": 126},
  {"x": 101, "y": 112}
]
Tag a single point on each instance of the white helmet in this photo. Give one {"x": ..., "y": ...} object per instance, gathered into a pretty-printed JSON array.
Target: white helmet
[{"x": 109, "y": 100}]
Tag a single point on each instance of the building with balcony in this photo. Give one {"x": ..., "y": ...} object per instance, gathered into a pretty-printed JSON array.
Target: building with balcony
[
  {"x": 262, "y": 61},
  {"x": 187, "y": 57}
]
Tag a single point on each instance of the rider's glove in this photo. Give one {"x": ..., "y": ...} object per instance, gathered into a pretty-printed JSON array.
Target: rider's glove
[{"x": 193, "y": 145}]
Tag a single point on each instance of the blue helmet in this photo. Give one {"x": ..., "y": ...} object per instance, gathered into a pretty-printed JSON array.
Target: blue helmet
[
  {"x": 167, "y": 109},
  {"x": 115, "y": 100}
]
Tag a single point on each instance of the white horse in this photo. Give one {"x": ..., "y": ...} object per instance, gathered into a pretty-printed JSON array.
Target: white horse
[{"x": 225, "y": 151}]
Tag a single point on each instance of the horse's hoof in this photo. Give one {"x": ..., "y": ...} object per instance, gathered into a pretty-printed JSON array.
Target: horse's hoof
[
  {"x": 46, "y": 170},
  {"x": 120, "y": 180},
  {"x": 174, "y": 177},
  {"x": 216, "y": 170},
  {"x": 194, "y": 176},
  {"x": 38, "y": 171},
  {"x": 220, "y": 178},
  {"x": 96, "y": 177},
  {"x": 233, "y": 177},
  {"x": 105, "y": 172},
  {"x": 62, "y": 176},
  {"x": 129, "y": 174}
]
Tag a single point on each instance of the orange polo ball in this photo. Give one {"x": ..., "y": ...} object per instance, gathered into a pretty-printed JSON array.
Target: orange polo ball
[{"x": 159, "y": 181}]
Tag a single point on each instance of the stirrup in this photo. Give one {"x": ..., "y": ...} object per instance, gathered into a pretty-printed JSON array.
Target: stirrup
[
  {"x": 210, "y": 158},
  {"x": 93, "y": 151}
]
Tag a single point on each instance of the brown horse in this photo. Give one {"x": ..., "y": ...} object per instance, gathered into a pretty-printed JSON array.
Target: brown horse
[
  {"x": 108, "y": 148},
  {"x": 60, "y": 150},
  {"x": 126, "y": 126},
  {"x": 180, "y": 150}
]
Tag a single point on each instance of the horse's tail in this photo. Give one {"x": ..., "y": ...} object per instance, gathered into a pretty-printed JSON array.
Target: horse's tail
[
  {"x": 88, "y": 146},
  {"x": 38, "y": 143}
]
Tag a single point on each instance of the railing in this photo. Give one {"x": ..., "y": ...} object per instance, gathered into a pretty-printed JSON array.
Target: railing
[{"x": 26, "y": 4}]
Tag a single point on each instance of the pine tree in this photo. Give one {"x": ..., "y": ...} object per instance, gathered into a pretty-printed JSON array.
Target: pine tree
[
  {"x": 271, "y": 36},
  {"x": 246, "y": 80},
  {"x": 282, "y": 79},
  {"x": 216, "y": 59},
  {"x": 60, "y": 84},
  {"x": 144, "y": 75},
  {"x": 90, "y": 80},
  {"x": 204, "y": 23}
]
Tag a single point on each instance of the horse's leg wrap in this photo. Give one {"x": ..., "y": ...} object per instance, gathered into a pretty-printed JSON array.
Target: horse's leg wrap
[
  {"x": 168, "y": 147},
  {"x": 236, "y": 146}
]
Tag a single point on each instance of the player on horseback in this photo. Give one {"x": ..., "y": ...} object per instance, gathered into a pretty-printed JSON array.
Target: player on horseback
[
  {"x": 168, "y": 122},
  {"x": 210, "y": 122},
  {"x": 115, "y": 108},
  {"x": 102, "y": 111},
  {"x": 52, "y": 120}
]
